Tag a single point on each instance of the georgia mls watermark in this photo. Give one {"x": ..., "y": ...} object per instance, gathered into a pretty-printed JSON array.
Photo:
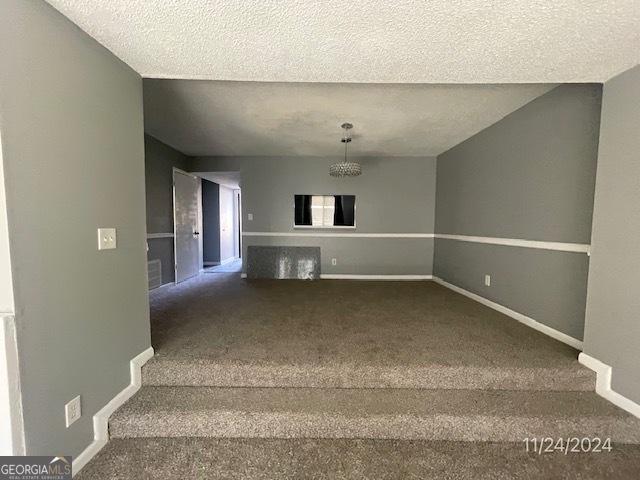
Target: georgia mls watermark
[{"x": 35, "y": 468}]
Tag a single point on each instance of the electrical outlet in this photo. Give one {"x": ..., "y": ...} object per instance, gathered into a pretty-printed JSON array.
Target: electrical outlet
[
  {"x": 72, "y": 411},
  {"x": 334, "y": 261},
  {"x": 249, "y": 216},
  {"x": 106, "y": 238},
  {"x": 487, "y": 280}
]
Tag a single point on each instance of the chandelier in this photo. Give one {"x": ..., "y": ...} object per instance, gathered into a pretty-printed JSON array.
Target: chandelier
[{"x": 345, "y": 168}]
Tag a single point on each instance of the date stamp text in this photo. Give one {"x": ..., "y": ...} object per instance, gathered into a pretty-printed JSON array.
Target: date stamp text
[{"x": 567, "y": 445}]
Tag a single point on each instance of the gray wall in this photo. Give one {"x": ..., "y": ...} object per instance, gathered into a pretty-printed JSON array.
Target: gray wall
[
  {"x": 210, "y": 221},
  {"x": 530, "y": 176},
  {"x": 548, "y": 286},
  {"x": 612, "y": 330},
  {"x": 72, "y": 139},
  {"x": 159, "y": 162},
  {"x": 393, "y": 195}
]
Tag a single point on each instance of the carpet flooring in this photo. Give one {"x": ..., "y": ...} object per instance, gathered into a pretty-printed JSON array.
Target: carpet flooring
[
  {"x": 354, "y": 459},
  {"x": 382, "y": 413},
  {"x": 384, "y": 323},
  {"x": 346, "y": 379}
]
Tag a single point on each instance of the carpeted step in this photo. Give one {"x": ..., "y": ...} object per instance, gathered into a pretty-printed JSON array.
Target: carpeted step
[
  {"x": 459, "y": 415},
  {"x": 185, "y": 371},
  {"x": 342, "y": 459}
]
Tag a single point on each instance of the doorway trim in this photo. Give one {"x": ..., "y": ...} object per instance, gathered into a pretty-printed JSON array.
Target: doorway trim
[
  {"x": 238, "y": 220},
  {"x": 12, "y": 432}
]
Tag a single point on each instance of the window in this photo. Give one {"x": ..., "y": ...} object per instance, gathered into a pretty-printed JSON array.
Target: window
[
  {"x": 322, "y": 210},
  {"x": 325, "y": 211}
]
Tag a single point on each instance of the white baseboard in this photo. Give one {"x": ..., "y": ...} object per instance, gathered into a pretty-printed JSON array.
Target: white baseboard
[
  {"x": 603, "y": 384},
  {"x": 228, "y": 260},
  {"x": 101, "y": 418},
  {"x": 346, "y": 276},
  {"x": 164, "y": 286},
  {"x": 530, "y": 322},
  {"x": 223, "y": 262}
]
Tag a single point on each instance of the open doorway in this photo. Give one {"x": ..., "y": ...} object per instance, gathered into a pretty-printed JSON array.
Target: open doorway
[{"x": 221, "y": 222}]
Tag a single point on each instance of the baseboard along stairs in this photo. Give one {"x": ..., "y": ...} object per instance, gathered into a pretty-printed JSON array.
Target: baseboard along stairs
[{"x": 203, "y": 399}]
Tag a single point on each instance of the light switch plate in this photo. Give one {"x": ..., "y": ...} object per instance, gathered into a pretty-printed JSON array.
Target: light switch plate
[
  {"x": 72, "y": 411},
  {"x": 250, "y": 216},
  {"x": 334, "y": 261},
  {"x": 487, "y": 280},
  {"x": 106, "y": 238}
]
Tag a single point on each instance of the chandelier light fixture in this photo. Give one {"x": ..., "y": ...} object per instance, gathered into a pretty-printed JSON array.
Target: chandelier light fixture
[{"x": 345, "y": 168}]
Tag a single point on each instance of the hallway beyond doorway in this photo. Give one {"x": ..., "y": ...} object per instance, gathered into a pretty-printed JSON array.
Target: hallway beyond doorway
[{"x": 232, "y": 267}]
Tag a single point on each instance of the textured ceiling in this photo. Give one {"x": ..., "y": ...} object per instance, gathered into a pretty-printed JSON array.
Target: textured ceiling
[
  {"x": 402, "y": 41},
  {"x": 202, "y": 117}
]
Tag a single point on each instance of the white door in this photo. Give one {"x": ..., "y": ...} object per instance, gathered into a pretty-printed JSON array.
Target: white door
[{"x": 185, "y": 217}]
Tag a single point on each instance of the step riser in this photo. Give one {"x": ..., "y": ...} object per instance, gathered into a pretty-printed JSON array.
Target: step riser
[
  {"x": 269, "y": 459},
  {"x": 400, "y": 427},
  {"x": 193, "y": 375}
]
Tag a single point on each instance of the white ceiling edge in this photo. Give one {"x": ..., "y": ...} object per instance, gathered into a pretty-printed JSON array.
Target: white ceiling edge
[
  {"x": 554, "y": 82},
  {"x": 367, "y": 41}
]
